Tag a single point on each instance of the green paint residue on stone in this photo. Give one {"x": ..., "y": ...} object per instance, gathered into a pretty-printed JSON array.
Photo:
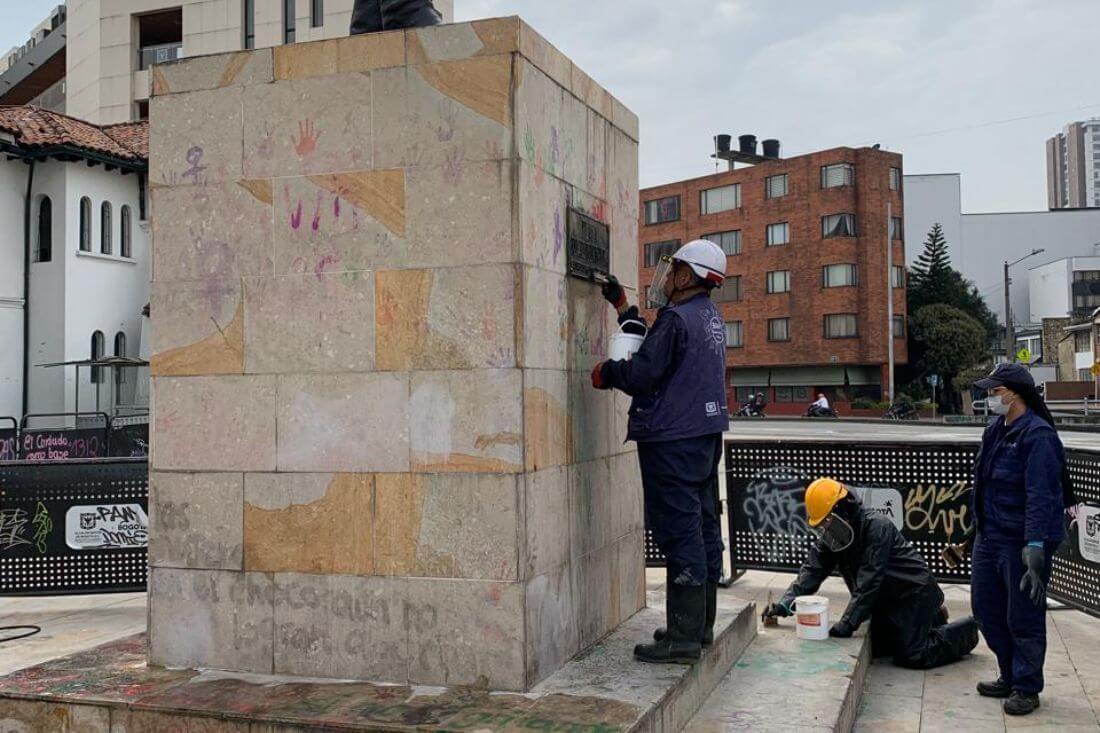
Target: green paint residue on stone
[{"x": 807, "y": 658}]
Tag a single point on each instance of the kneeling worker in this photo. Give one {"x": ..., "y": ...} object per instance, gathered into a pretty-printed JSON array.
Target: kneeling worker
[
  {"x": 677, "y": 417},
  {"x": 889, "y": 582}
]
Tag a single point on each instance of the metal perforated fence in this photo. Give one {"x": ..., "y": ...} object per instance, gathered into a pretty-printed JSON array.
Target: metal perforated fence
[
  {"x": 73, "y": 526},
  {"x": 1075, "y": 574}
]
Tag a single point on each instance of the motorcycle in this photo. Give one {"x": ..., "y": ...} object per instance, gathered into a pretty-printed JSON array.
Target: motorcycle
[
  {"x": 816, "y": 411},
  {"x": 751, "y": 410},
  {"x": 902, "y": 412}
]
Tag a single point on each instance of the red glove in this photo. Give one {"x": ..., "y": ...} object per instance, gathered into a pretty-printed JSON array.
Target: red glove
[{"x": 597, "y": 376}]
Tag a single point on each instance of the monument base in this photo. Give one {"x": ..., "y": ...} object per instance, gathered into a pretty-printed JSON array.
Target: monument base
[{"x": 110, "y": 688}]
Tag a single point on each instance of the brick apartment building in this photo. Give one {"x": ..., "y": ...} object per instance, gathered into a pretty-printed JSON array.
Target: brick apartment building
[{"x": 805, "y": 302}]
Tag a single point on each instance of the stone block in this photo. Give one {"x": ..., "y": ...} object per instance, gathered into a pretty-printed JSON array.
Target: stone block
[
  {"x": 455, "y": 318},
  {"x": 539, "y": 104},
  {"x": 194, "y": 138},
  {"x": 573, "y": 143},
  {"x": 195, "y": 520},
  {"x": 543, "y": 201},
  {"x": 596, "y": 164},
  {"x": 545, "y": 325},
  {"x": 547, "y": 497},
  {"x": 443, "y": 114},
  {"x": 589, "y": 328},
  {"x": 457, "y": 41},
  {"x": 153, "y": 721},
  {"x": 545, "y": 56},
  {"x": 631, "y": 573},
  {"x": 624, "y": 247},
  {"x": 36, "y": 716},
  {"x": 622, "y": 173},
  {"x": 620, "y": 420},
  {"x": 306, "y": 126},
  {"x": 309, "y": 523},
  {"x": 342, "y": 222},
  {"x": 466, "y": 630},
  {"x": 590, "y": 418},
  {"x": 311, "y": 322},
  {"x": 625, "y": 120},
  {"x": 370, "y": 51},
  {"x": 237, "y": 69},
  {"x": 466, "y": 422},
  {"x": 546, "y": 423},
  {"x": 447, "y": 526},
  {"x": 592, "y": 507},
  {"x": 305, "y": 60},
  {"x": 333, "y": 422},
  {"x": 211, "y": 618},
  {"x": 553, "y": 636},
  {"x": 200, "y": 328},
  {"x": 212, "y": 233},
  {"x": 585, "y": 88},
  {"x": 213, "y": 424},
  {"x": 596, "y": 594},
  {"x": 626, "y": 482},
  {"x": 340, "y": 626}
]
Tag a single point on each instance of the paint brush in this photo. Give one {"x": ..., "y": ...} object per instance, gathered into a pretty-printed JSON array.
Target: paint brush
[{"x": 770, "y": 622}]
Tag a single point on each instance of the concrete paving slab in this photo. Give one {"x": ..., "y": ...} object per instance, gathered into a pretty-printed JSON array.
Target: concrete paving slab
[{"x": 888, "y": 713}]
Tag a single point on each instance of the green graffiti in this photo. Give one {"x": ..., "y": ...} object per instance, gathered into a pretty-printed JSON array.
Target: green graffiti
[
  {"x": 43, "y": 525},
  {"x": 529, "y": 144}
]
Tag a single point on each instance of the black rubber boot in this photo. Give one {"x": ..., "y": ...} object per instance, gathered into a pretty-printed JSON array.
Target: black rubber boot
[
  {"x": 687, "y": 614},
  {"x": 1021, "y": 704},
  {"x": 996, "y": 688},
  {"x": 712, "y": 613}
]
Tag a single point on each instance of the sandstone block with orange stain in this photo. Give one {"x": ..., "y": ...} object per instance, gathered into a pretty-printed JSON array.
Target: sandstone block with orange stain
[
  {"x": 546, "y": 424},
  {"x": 305, "y": 60},
  {"x": 201, "y": 329},
  {"x": 399, "y": 504},
  {"x": 381, "y": 194},
  {"x": 456, "y": 41},
  {"x": 240, "y": 68},
  {"x": 309, "y": 523},
  {"x": 370, "y": 51}
]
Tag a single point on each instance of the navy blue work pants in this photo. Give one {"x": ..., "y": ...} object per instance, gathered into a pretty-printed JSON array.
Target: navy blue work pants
[
  {"x": 680, "y": 481},
  {"x": 1013, "y": 627}
]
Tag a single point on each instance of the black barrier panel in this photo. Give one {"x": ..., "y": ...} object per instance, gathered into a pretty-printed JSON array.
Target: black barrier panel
[
  {"x": 73, "y": 527},
  {"x": 921, "y": 487},
  {"x": 9, "y": 443},
  {"x": 130, "y": 441},
  {"x": 63, "y": 444},
  {"x": 1075, "y": 574}
]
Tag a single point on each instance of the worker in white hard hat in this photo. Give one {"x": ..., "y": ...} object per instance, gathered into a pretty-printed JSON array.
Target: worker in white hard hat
[{"x": 677, "y": 417}]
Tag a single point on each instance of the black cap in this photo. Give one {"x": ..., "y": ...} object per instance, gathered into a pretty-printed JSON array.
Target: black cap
[{"x": 1007, "y": 375}]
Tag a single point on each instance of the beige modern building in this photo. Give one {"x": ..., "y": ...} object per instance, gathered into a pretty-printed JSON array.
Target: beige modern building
[
  {"x": 1073, "y": 166},
  {"x": 95, "y": 55}
]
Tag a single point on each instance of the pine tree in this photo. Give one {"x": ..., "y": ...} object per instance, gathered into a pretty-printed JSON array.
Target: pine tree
[{"x": 934, "y": 262}]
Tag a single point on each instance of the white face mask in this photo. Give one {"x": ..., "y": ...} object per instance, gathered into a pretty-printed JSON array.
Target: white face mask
[{"x": 997, "y": 405}]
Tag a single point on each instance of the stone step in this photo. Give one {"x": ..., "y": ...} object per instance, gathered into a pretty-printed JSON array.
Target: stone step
[{"x": 783, "y": 683}]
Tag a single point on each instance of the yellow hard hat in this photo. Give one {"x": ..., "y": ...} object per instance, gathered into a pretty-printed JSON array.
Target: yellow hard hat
[{"x": 821, "y": 496}]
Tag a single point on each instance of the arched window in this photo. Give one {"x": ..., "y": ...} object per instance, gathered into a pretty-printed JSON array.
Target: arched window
[
  {"x": 105, "y": 228},
  {"x": 124, "y": 233},
  {"x": 97, "y": 353},
  {"x": 85, "y": 224},
  {"x": 45, "y": 230},
  {"x": 120, "y": 350}
]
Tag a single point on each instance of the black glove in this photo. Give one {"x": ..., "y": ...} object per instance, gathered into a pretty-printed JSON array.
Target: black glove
[
  {"x": 841, "y": 629},
  {"x": 775, "y": 610},
  {"x": 1035, "y": 559},
  {"x": 613, "y": 292}
]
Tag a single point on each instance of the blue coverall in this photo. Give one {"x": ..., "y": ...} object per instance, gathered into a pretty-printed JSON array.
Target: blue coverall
[
  {"x": 677, "y": 417},
  {"x": 1017, "y": 499}
]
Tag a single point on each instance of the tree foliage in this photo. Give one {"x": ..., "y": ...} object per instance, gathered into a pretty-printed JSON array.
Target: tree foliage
[
  {"x": 951, "y": 343},
  {"x": 932, "y": 280}
]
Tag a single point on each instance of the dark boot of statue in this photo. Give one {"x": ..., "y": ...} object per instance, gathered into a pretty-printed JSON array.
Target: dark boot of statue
[
  {"x": 371, "y": 16},
  {"x": 682, "y": 642},
  {"x": 712, "y": 612}
]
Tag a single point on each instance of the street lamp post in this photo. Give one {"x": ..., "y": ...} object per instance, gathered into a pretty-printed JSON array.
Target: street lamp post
[{"x": 1010, "y": 336}]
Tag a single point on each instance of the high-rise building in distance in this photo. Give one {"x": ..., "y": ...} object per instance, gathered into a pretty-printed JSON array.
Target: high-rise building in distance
[{"x": 1073, "y": 166}]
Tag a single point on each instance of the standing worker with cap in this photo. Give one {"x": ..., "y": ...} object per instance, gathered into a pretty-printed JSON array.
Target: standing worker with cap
[
  {"x": 1021, "y": 487},
  {"x": 889, "y": 582},
  {"x": 677, "y": 417}
]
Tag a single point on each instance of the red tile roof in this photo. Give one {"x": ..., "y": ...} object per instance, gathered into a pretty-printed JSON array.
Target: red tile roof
[{"x": 34, "y": 127}]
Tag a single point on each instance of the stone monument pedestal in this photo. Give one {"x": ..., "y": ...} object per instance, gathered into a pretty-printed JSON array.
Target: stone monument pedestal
[{"x": 376, "y": 453}]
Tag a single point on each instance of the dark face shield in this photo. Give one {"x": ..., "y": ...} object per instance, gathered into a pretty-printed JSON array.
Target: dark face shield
[{"x": 835, "y": 533}]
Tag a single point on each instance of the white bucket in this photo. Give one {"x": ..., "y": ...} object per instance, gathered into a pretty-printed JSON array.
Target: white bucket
[
  {"x": 623, "y": 346},
  {"x": 812, "y": 616}
]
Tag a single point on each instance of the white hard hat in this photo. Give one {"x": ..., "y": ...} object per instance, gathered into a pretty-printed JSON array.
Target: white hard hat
[{"x": 705, "y": 258}]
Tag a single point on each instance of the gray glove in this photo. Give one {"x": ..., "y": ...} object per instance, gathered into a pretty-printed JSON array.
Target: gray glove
[{"x": 1035, "y": 559}]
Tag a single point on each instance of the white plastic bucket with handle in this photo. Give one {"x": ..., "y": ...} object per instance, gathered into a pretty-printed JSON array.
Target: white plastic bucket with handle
[
  {"x": 812, "y": 617},
  {"x": 623, "y": 346}
]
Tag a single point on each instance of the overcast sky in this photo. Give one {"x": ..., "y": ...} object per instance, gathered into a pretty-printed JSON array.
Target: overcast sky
[{"x": 944, "y": 82}]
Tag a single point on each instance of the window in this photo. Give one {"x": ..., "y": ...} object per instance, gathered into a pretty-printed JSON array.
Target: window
[
  {"x": 1085, "y": 275},
  {"x": 85, "y": 224},
  {"x": 838, "y": 225},
  {"x": 896, "y": 230},
  {"x": 840, "y": 174},
  {"x": 120, "y": 350},
  {"x": 105, "y": 228},
  {"x": 1082, "y": 342},
  {"x": 45, "y": 230},
  {"x": 654, "y": 252},
  {"x": 779, "y": 234},
  {"x": 793, "y": 394},
  {"x": 897, "y": 276},
  {"x": 730, "y": 242},
  {"x": 779, "y": 329},
  {"x": 125, "y": 232},
  {"x": 839, "y": 276},
  {"x": 249, "y": 23},
  {"x": 730, "y": 292},
  {"x": 97, "y": 353},
  {"x": 895, "y": 179},
  {"x": 779, "y": 281},
  {"x": 317, "y": 13},
  {"x": 899, "y": 327},
  {"x": 1086, "y": 302},
  {"x": 715, "y": 200},
  {"x": 662, "y": 210},
  {"x": 775, "y": 186},
  {"x": 288, "y": 21},
  {"x": 734, "y": 335},
  {"x": 840, "y": 326}
]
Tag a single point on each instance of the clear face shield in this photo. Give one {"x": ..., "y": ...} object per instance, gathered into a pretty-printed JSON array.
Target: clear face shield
[
  {"x": 656, "y": 293},
  {"x": 835, "y": 533}
]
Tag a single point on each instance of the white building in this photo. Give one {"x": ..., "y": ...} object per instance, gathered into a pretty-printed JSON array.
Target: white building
[
  {"x": 97, "y": 57},
  {"x": 980, "y": 244},
  {"x": 81, "y": 189}
]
